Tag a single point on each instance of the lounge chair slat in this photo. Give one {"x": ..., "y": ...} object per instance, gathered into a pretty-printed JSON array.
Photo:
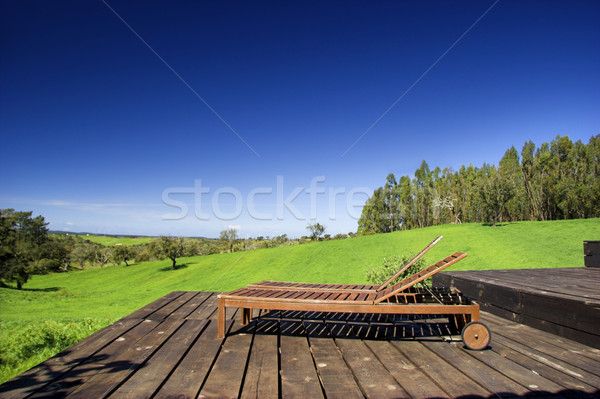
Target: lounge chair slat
[
  {"x": 352, "y": 296},
  {"x": 238, "y": 291},
  {"x": 266, "y": 294},
  {"x": 289, "y": 294},
  {"x": 332, "y": 296},
  {"x": 342, "y": 296},
  {"x": 280, "y": 294},
  {"x": 313, "y": 286},
  {"x": 322, "y": 295},
  {"x": 304, "y": 295},
  {"x": 297, "y": 294},
  {"x": 325, "y": 296},
  {"x": 314, "y": 294}
]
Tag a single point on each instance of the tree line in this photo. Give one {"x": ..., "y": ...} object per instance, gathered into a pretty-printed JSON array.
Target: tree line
[
  {"x": 28, "y": 248},
  {"x": 557, "y": 180}
]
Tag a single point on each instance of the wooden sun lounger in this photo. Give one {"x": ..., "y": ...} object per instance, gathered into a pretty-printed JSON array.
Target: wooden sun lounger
[
  {"x": 268, "y": 284},
  {"x": 391, "y": 300}
]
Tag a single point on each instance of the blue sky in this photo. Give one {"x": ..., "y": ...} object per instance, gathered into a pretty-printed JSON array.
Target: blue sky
[{"x": 184, "y": 118}]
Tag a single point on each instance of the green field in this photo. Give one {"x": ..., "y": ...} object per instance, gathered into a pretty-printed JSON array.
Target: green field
[
  {"x": 109, "y": 241},
  {"x": 53, "y": 311}
]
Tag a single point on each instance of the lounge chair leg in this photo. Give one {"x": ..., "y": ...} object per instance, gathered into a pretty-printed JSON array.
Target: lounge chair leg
[
  {"x": 222, "y": 314},
  {"x": 474, "y": 315},
  {"x": 246, "y": 316}
]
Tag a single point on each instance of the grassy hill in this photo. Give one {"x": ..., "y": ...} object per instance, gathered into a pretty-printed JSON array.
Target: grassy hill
[{"x": 56, "y": 310}]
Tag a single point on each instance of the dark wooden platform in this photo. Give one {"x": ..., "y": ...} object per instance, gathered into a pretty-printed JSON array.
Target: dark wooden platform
[
  {"x": 170, "y": 349},
  {"x": 563, "y": 301}
]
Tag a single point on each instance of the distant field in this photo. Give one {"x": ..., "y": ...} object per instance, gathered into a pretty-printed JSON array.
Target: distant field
[
  {"x": 110, "y": 240},
  {"x": 78, "y": 303}
]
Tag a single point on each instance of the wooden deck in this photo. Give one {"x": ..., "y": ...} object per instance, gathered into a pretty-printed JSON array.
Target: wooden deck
[
  {"x": 170, "y": 349},
  {"x": 563, "y": 301}
]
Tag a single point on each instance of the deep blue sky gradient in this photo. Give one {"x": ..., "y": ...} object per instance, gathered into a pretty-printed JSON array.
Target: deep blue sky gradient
[{"x": 94, "y": 126}]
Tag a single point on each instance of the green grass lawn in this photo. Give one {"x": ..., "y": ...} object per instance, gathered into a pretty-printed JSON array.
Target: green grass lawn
[{"x": 54, "y": 311}]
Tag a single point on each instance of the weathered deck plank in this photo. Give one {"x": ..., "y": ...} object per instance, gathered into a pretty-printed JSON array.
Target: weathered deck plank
[
  {"x": 152, "y": 307},
  {"x": 374, "y": 380},
  {"x": 159, "y": 366},
  {"x": 190, "y": 374},
  {"x": 452, "y": 380},
  {"x": 413, "y": 380},
  {"x": 127, "y": 362},
  {"x": 565, "y": 377},
  {"x": 170, "y": 349},
  {"x": 225, "y": 378},
  {"x": 262, "y": 375},
  {"x": 526, "y": 339},
  {"x": 485, "y": 373},
  {"x": 336, "y": 378},
  {"x": 298, "y": 374}
]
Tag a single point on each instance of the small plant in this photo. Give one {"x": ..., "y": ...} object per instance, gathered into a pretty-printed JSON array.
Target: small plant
[{"x": 389, "y": 266}]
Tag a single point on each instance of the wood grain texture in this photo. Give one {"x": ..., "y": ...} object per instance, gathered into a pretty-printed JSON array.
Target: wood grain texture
[
  {"x": 307, "y": 354},
  {"x": 563, "y": 301}
]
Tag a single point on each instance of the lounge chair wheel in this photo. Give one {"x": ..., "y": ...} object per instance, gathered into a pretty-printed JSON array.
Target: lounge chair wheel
[{"x": 476, "y": 336}]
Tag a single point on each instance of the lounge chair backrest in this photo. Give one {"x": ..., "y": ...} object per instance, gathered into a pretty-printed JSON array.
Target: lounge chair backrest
[
  {"x": 418, "y": 277},
  {"x": 409, "y": 264}
]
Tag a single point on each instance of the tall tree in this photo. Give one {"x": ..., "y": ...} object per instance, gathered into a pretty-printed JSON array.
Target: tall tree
[
  {"x": 406, "y": 206},
  {"x": 509, "y": 172},
  {"x": 423, "y": 184},
  {"x": 593, "y": 180},
  {"x": 373, "y": 218},
  {"x": 545, "y": 180},
  {"x": 390, "y": 204},
  {"x": 531, "y": 182}
]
